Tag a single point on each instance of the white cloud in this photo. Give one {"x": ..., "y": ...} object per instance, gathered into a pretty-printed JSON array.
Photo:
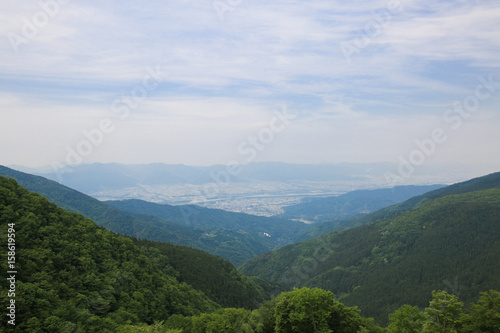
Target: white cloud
[{"x": 223, "y": 78}]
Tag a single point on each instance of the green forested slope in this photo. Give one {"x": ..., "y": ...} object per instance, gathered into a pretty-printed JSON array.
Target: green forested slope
[
  {"x": 450, "y": 242},
  {"x": 236, "y": 246},
  {"x": 281, "y": 232},
  {"x": 73, "y": 274},
  {"x": 476, "y": 184},
  {"x": 353, "y": 203},
  {"x": 216, "y": 277},
  {"x": 315, "y": 310}
]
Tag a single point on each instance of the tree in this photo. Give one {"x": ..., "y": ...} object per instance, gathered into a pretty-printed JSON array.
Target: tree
[
  {"x": 406, "y": 319},
  {"x": 304, "y": 310},
  {"x": 444, "y": 313},
  {"x": 314, "y": 310},
  {"x": 485, "y": 314}
]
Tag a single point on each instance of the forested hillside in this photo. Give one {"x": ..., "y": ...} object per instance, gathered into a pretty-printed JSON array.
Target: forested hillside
[
  {"x": 352, "y": 204},
  {"x": 315, "y": 310},
  {"x": 275, "y": 232},
  {"x": 215, "y": 277},
  {"x": 75, "y": 275},
  {"x": 449, "y": 239},
  {"x": 480, "y": 183},
  {"x": 236, "y": 246}
]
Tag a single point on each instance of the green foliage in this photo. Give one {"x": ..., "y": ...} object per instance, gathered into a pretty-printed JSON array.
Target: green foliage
[
  {"x": 283, "y": 232},
  {"x": 351, "y": 204},
  {"x": 157, "y": 327},
  {"x": 477, "y": 184},
  {"x": 301, "y": 310},
  {"x": 233, "y": 245},
  {"x": 444, "y": 313},
  {"x": 314, "y": 310},
  {"x": 304, "y": 310},
  {"x": 225, "y": 320},
  {"x": 484, "y": 316},
  {"x": 400, "y": 260},
  {"x": 406, "y": 319},
  {"x": 75, "y": 275},
  {"x": 215, "y": 277}
]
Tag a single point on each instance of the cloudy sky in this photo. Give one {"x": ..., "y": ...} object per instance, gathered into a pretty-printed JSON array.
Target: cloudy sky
[{"x": 204, "y": 82}]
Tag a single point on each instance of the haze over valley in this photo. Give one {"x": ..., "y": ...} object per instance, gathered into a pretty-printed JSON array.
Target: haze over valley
[
  {"x": 229, "y": 166},
  {"x": 259, "y": 188}
]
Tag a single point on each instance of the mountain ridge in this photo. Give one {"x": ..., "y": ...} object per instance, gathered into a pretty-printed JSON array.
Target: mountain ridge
[
  {"x": 228, "y": 244},
  {"x": 90, "y": 178},
  {"x": 282, "y": 231},
  {"x": 75, "y": 275},
  {"x": 352, "y": 203},
  {"x": 400, "y": 258}
]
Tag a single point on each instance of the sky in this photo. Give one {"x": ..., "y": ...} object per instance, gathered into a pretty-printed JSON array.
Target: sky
[{"x": 203, "y": 82}]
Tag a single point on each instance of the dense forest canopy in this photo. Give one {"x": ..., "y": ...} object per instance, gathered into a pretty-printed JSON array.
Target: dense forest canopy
[
  {"x": 446, "y": 240},
  {"x": 233, "y": 244},
  {"x": 75, "y": 276}
]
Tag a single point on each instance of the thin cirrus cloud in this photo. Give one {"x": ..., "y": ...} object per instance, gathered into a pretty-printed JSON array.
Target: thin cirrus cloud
[{"x": 222, "y": 79}]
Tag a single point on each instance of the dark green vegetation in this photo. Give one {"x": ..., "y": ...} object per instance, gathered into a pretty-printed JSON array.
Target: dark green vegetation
[
  {"x": 316, "y": 230},
  {"x": 446, "y": 239},
  {"x": 215, "y": 277},
  {"x": 233, "y": 236},
  {"x": 281, "y": 232},
  {"x": 352, "y": 204},
  {"x": 76, "y": 276},
  {"x": 301, "y": 310},
  {"x": 315, "y": 310},
  {"x": 445, "y": 313},
  {"x": 235, "y": 245}
]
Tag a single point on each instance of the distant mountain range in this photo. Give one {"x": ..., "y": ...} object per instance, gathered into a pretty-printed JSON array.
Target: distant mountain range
[
  {"x": 233, "y": 236},
  {"x": 74, "y": 276},
  {"x": 446, "y": 239},
  {"x": 91, "y": 178},
  {"x": 234, "y": 245}
]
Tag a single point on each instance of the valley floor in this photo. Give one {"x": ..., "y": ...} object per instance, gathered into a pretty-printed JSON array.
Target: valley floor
[{"x": 256, "y": 198}]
